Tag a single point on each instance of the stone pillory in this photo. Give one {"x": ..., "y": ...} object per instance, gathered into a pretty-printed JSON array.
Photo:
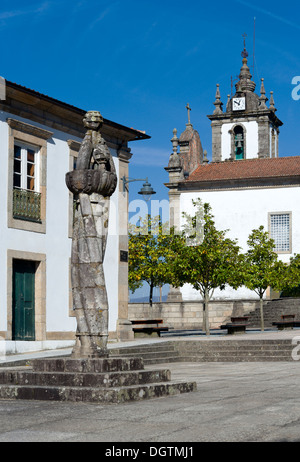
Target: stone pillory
[{"x": 92, "y": 182}]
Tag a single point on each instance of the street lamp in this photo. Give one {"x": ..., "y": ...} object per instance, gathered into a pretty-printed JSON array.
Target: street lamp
[{"x": 146, "y": 191}]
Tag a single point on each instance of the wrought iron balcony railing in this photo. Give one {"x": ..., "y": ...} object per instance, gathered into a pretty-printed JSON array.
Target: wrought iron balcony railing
[{"x": 27, "y": 205}]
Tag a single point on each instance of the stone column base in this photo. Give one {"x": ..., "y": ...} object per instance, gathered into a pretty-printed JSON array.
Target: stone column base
[
  {"x": 174, "y": 295},
  {"x": 85, "y": 349},
  {"x": 124, "y": 330}
]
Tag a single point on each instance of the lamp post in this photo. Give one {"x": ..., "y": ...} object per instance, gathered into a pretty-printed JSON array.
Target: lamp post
[{"x": 146, "y": 191}]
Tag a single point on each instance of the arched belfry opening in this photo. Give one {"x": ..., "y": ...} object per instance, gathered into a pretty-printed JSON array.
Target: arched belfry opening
[{"x": 239, "y": 142}]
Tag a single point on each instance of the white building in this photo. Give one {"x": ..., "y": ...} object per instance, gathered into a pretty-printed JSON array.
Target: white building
[
  {"x": 247, "y": 184},
  {"x": 40, "y": 139}
]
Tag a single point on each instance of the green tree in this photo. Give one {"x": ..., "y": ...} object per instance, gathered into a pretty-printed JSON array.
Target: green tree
[
  {"x": 262, "y": 267},
  {"x": 149, "y": 250},
  {"x": 209, "y": 261},
  {"x": 291, "y": 278}
]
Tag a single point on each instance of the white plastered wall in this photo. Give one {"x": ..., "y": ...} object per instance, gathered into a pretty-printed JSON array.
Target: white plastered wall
[{"x": 241, "y": 211}]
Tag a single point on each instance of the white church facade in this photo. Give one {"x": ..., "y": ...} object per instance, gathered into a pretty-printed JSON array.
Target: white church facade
[
  {"x": 247, "y": 183},
  {"x": 40, "y": 139}
]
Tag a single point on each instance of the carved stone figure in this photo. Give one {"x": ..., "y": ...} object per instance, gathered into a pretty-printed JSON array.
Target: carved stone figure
[{"x": 92, "y": 182}]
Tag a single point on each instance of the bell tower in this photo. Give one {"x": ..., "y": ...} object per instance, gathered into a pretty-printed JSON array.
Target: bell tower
[{"x": 247, "y": 128}]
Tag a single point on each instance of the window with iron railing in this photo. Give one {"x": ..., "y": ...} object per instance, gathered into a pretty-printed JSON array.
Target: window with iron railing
[{"x": 26, "y": 195}]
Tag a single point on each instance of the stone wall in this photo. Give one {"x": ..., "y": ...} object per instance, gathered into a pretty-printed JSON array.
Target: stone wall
[{"x": 188, "y": 314}]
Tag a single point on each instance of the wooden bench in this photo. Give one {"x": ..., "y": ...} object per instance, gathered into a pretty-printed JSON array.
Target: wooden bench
[
  {"x": 287, "y": 322},
  {"x": 148, "y": 327},
  {"x": 237, "y": 325}
]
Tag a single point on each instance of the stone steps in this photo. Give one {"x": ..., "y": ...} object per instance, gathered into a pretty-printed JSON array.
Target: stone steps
[
  {"x": 215, "y": 350},
  {"x": 102, "y": 380},
  {"x": 232, "y": 359},
  {"x": 69, "y": 379},
  {"x": 151, "y": 354},
  {"x": 273, "y": 309},
  {"x": 114, "y": 395},
  {"x": 242, "y": 350}
]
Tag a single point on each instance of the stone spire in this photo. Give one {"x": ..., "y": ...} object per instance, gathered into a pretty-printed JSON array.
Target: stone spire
[
  {"x": 218, "y": 103},
  {"x": 272, "y": 103},
  {"x": 175, "y": 167},
  {"x": 205, "y": 159},
  {"x": 175, "y": 141},
  {"x": 228, "y": 102},
  {"x": 245, "y": 76},
  {"x": 263, "y": 99},
  {"x": 175, "y": 160}
]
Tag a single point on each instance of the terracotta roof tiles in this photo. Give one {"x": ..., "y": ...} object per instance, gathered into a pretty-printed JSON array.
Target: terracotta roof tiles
[{"x": 247, "y": 169}]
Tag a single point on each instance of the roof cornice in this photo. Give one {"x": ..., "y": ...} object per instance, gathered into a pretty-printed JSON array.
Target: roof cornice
[{"x": 49, "y": 111}]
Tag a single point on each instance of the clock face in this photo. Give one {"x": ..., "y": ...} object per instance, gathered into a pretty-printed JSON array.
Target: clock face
[{"x": 238, "y": 104}]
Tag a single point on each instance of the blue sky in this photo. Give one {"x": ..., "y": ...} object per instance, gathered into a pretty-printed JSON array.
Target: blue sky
[{"x": 141, "y": 62}]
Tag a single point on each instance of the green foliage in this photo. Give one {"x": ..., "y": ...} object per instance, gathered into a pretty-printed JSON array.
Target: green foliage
[
  {"x": 149, "y": 250},
  {"x": 291, "y": 292},
  {"x": 209, "y": 264},
  {"x": 261, "y": 262},
  {"x": 193, "y": 226},
  {"x": 203, "y": 257},
  {"x": 209, "y": 261},
  {"x": 263, "y": 269},
  {"x": 291, "y": 282}
]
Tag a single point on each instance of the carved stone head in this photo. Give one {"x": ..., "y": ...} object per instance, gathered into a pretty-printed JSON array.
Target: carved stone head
[{"x": 93, "y": 120}]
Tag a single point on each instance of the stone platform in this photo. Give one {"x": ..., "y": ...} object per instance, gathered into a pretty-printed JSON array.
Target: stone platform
[{"x": 102, "y": 380}]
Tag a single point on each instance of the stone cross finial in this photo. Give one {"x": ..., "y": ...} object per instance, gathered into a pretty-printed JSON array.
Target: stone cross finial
[
  {"x": 244, "y": 52},
  {"x": 189, "y": 113}
]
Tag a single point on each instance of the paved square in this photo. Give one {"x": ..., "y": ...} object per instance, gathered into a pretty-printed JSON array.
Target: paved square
[{"x": 256, "y": 401}]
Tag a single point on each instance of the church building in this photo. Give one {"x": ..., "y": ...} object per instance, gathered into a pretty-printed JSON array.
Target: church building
[{"x": 247, "y": 183}]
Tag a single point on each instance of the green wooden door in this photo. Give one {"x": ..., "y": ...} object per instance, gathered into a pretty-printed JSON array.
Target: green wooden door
[{"x": 23, "y": 300}]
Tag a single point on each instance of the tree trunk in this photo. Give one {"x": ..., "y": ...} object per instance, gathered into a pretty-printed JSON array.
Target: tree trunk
[
  {"x": 205, "y": 313},
  {"x": 151, "y": 294},
  {"x": 261, "y": 302}
]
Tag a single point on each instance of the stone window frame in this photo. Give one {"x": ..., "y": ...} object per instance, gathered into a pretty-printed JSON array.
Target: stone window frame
[
  {"x": 40, "y": 291},
  {"x": 290, "y": 230},
  {"x": 24, "y": 163},
  {"x": 24, "y": 133},
  {"x": 231, "y": 132}
]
